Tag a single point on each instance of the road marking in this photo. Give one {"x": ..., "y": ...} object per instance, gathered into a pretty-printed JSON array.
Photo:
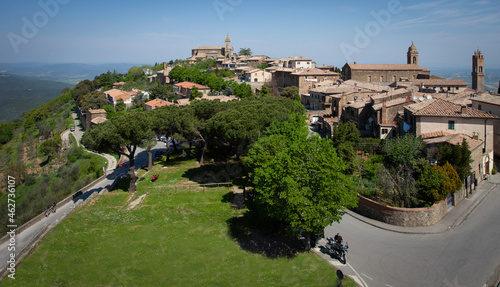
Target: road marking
[
  {"x": 367, "y": 276},
  {"x": 357, "y": 274}
]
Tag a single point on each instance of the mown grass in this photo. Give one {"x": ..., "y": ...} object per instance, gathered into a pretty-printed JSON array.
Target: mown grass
[{"x": 172, "y": 238}]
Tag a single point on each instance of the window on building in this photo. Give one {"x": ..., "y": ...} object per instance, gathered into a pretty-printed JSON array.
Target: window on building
[
  {"x": 384, "y": 131},
  {"x": 369, "y": 78},
  {"x": 394, "y": 78},
  {"x": 479, "y": 107},
  {"x": 381, "y": 78},
  {"x": 480, "y": 69},
  {"x": 451, "y": 125}
]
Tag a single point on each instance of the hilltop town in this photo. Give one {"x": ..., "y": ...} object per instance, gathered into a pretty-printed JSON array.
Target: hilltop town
[{"x": 285, "y": 147}]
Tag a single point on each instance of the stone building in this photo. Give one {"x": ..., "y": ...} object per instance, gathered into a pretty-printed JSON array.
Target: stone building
[
  {"x": 478, "y": 71},
  {"x": 94, "y": 117},
  {"x": 304, "y": 79},
  {"x": 435, "y": 118},
  {"x": 184, "y": 89},
  {"x": 491, "y": 104},
  {"x": 387, "y": 72},
  {"x": 213, "y": 52}
]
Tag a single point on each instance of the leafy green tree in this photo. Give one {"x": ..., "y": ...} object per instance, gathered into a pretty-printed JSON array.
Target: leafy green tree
[
  {"x": 120, "y": 106},
  {"x": 94, "y": 100},
  {"x": 291, "y": 92},
  {"x": 195, "y": 93},
  {"x": 50, "y": 147},
  {"x": 265, "y": 91},
  {"x": 403, "y": 151},
  {"x": 429, "y": 184},
  {"x": 345, "y": 138},
  {"x": 242, "y": 90},
  {"x": 81, "y": 89},
  {"x": 121, "y": 135},
  {"x": 299, "y": 179},
  {"x": 262, "y": 66},
  {"x": 459, "y": 156},
  {"x": 245, "y": 52},
  {"x": 160, "y": 91}
]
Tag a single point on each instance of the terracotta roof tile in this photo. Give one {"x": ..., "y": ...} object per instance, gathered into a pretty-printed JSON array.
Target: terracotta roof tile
[
  {"x": 442, "y": 108},
  {"x": 387, "y": 67},
  {"x": 189, "y": 85},
  {"x": 439, "y": 82}
]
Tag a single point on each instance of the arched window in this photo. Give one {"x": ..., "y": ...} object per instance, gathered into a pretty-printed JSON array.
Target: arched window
[
  {"x": 414, "y": 60},
  {"x": 475, "y": 69},
  {"x": 394, "y": 78},
  {"x": 369, "y": 78},
  {"x": 381, "y": 78},
  {"x": 480, "y": 69}
]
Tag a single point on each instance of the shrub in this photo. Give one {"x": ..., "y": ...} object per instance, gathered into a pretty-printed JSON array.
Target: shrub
[{"x": 30, "y": 179}]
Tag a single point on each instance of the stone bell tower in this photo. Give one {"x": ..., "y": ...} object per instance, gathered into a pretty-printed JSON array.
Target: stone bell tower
[
  {"x": 228, "y": 49},
  {"x": 412, "y": 55},
  {"x": 478, "y": 71}
]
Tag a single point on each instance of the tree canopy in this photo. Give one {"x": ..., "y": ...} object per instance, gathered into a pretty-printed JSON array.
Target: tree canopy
[
  {"x": 245, "y": 52},
  {"x": 298, "y": 179},
  {"x": 126, "y": 131}
]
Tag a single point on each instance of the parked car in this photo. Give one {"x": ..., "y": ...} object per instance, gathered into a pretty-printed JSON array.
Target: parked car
[{"x": 72, "y": 129}]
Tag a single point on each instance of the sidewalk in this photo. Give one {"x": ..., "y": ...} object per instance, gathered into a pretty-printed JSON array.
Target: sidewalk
[{"x": 453, "y": 218}]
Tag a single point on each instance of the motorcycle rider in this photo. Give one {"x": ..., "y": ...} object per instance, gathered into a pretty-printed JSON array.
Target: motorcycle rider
[{"x": 338, "y": 240}]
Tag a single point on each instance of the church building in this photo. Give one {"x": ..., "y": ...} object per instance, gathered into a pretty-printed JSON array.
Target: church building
[
  {"x": 387, "y": 72},
  {"x": 213, "y": 52}
]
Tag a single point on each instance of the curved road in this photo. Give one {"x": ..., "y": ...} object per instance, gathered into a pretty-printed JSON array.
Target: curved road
[
  {"x": 466, "y": 255},
  {"x": 23, "y": 239}
]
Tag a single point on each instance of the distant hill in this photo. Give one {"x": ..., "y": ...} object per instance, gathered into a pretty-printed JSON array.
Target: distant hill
[
  {"x": 71, "y": 73},
  {"x": 21, "y": 94}
]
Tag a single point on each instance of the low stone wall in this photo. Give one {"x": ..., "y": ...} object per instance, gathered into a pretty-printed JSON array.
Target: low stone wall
[{"x": 402, "y": 216}]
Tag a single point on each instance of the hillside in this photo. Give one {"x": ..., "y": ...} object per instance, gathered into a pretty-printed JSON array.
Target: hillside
[
  {"x": 70, "y": 73},
  {"x": 20, "y": 94}
]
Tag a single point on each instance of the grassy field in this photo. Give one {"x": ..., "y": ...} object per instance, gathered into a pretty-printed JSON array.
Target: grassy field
[{"x": 173, "y": 238}]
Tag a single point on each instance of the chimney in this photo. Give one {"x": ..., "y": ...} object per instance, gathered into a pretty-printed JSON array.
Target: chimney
[
  {"x": 463, "y": 109},
  {"x": 475, "y": 135},
  {"x": 383, "y": 114},
  {"x": 355, "y": 62}
]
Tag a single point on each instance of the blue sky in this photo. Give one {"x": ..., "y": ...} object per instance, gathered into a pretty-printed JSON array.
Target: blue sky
[{"x": 330, "y": 32}]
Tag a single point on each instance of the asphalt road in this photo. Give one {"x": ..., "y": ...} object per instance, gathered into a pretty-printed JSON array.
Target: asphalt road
[
  {"x": 467, "y": 255},
  {"x": 23, "y": 238}
]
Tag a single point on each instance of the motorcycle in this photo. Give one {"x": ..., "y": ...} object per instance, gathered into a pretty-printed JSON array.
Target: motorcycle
[{"x": 337, "y": 250}]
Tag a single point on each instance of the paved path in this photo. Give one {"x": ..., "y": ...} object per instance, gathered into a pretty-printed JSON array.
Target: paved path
[{"x": 463, "y": 249}]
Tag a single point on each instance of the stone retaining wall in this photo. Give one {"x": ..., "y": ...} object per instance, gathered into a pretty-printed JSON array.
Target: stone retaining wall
[{"x": 402, "y": 216}]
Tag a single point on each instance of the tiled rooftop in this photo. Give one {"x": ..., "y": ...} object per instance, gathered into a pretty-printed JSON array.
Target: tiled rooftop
[{"x": 443, "y": 108}]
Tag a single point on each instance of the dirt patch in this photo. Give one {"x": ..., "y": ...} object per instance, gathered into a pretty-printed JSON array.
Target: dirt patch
[
  {"x": 134, "y": 227},
  {"x": 134, "y": 203}
]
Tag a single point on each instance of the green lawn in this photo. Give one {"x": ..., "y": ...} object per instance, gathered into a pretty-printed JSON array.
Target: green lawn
[{"x": 173, "y": 238}]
